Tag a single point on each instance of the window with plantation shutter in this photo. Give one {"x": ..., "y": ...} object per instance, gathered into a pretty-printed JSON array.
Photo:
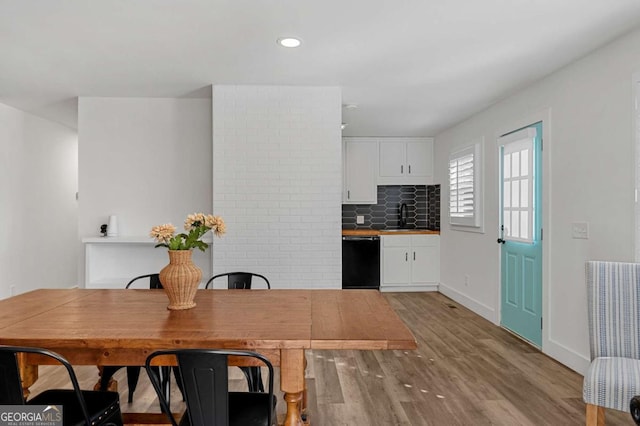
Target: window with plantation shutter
[{"x": 463, "y": 187}]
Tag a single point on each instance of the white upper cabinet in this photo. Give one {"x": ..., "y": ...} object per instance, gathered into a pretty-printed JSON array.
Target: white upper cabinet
[
  {"x": 360, "y": 171},
  {"x": 405, "y": 161},
  {"x": 393, "y": 159}
]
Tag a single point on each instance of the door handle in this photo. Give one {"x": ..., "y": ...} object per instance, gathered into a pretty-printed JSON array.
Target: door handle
[{"x": 501, "y": 241}]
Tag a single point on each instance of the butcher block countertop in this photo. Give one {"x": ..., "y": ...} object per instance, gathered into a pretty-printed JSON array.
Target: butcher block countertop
[{"x": 370, "y": 232}]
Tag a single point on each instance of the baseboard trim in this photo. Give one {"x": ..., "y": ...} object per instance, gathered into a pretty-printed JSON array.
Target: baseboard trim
[
  {"x": 479, "y": 308},
  {"x": 575, "y": 361},
  {"x": 410, "y": 288}
]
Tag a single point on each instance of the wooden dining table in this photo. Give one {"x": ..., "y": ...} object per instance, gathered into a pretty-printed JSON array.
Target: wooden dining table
[{"x": 122, "y": 327}]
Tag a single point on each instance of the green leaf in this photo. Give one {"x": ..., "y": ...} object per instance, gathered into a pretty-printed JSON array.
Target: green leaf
[{"x": 201, "y": 245}]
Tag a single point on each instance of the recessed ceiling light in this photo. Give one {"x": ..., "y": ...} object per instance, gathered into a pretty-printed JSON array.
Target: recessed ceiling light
[{"x": 289, "y": 42}]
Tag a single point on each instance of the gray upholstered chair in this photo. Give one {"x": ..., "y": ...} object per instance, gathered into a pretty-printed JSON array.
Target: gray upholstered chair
[{"x": 613, "y": 378}]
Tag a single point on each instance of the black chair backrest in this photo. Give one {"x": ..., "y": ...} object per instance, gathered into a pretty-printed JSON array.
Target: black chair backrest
[
  {"x": 9, "y": 372},
  {"x": 154, "y": 281},
  {"x": 10, "y": 384},
  {"x": 205, "y": 378},
  {"x": 238, "y": 280}
]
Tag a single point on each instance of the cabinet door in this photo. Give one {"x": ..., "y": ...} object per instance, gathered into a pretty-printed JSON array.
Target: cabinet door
[
  {"x": 360, "y": 173},
  {"x": 392, "y": 159},
  {"x": 396, "y": 266},
  {"x": 425, "y": 258},
  {"x": 419, "y": 159},
  {"x": 425, "y": 267}
]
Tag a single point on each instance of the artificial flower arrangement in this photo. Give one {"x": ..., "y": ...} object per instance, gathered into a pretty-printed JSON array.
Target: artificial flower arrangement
[{"x": 197, "y": 224}]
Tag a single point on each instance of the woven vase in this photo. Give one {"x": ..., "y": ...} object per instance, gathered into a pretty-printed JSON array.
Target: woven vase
[{"x": 180, "y": 280}]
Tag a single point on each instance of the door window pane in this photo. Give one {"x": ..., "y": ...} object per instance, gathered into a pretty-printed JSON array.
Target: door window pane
[
  {"x": 524, "y": 162},
  {"x": 515, "y": 193},
  {"x": 524, "y": 225},
  {"x": 507, "y": 223},
  {"x": 506, "y": 195},
  {"x": 515, "y": 224},
  {"x": 515, "y": 164},
  {"x": 524, "y": 193}
]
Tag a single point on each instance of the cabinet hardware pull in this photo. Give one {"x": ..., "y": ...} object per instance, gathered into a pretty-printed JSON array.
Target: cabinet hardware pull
[
  {"x": 401, "y": 169},
  {"x": 414, "y": 255},
  {"x": 409, "y": 168},
  {"x": 406, "y": 257},
  {"x": 348, "y": 195}
]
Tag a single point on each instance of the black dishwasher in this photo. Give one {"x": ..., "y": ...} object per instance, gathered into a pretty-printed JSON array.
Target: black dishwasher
[{"x": 360, "y": 262}]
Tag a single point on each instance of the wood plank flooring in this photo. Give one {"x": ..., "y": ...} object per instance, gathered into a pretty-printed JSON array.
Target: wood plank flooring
[{"x": 466, "y": 371}]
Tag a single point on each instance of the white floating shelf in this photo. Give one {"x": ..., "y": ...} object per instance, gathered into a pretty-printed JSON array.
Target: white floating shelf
[
  {"x": 110, "y": 262},
  {"x": 131, "y": 240}
]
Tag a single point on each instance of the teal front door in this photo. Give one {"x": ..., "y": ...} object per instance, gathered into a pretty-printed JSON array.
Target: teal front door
[{"x": 521, "y": 232}]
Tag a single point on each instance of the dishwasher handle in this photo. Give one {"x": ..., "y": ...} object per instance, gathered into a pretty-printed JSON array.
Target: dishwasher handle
[{"x": 360, "y": 238}]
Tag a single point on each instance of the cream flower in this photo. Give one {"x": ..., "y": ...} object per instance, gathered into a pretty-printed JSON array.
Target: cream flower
[
  {"x": 194, "y": 220},
  {"x": 163, "y": 233},
  {"x": 210, "y": 221},
  {"x": 219, "y": 227}
]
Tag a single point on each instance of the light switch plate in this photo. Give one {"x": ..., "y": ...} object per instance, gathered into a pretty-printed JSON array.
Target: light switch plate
[
  {"x": 359, "y": 220},
  {"x": 580, "y": 230}
]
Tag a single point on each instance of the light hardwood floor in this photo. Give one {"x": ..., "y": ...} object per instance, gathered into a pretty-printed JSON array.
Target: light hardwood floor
[{"x": 466, "y": 371}]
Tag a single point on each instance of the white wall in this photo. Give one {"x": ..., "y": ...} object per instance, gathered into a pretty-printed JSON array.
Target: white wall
[
  {"x": 38, "y": 209},
  {"x": 277, "y": 183},
  {"x": 588, "y": 176},
  {"x": 148, "y": 161}
]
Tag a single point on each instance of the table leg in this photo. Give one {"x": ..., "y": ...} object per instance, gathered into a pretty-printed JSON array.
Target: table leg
[
  {"x": 292, "y": 383},
  {"x": 28, "y": 374},
  {"x": 111, "y": 386},
  {"x": 303, "y": 403}
]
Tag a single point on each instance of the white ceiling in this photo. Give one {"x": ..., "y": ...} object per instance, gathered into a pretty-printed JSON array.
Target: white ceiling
[{"x": 413, "y": 67}]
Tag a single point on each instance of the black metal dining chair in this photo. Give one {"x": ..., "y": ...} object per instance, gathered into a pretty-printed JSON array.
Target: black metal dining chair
[
  {"x": 79, "y": 407},
  {"x": 133, "y": 372},
  {"x": 242, "y": 281},
  {"x": 238, "y": 280},
  {"x": 206, "y": 384}
]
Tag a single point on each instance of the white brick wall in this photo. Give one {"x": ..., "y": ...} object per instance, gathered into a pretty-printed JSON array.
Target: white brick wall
[{"x": 277, "y": 183}]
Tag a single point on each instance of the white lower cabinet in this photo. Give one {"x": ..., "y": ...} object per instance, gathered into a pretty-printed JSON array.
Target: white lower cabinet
[{"x": 410, "y": 262}]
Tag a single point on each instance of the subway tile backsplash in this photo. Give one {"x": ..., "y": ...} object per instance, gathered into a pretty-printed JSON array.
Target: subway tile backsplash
[{"x": 386, "y": 214}]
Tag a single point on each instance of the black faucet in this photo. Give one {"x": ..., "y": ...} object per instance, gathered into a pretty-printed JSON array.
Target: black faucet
[{"x": 403, "y": 215}]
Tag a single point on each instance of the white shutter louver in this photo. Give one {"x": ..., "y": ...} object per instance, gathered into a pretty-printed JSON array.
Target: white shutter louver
[{"x": 463, "y": 188}]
